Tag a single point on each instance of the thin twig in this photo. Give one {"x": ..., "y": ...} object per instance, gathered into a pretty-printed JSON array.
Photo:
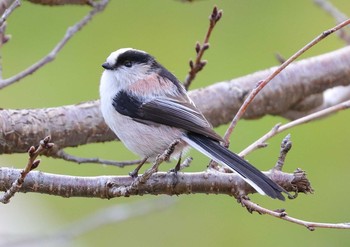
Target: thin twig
[
  {"x": 281, "y": 214},
  {"x": 9, "y": 10},
  {"x": 286, "y": 145},
  {"x": 3, "y": 37},
  {"x": 280, "y": 128},
  {"x": 198, "y": 64},
  {"x": 71, "y": 31},
  {"x": 337, "y": 15},
  {"x": 263, "y": 83},
  {"x": 280, "y": 58},
  {"x": 68, "y": 157},
  {"x": 31, "y": 165},
  {"x": 4, "y": 4}
]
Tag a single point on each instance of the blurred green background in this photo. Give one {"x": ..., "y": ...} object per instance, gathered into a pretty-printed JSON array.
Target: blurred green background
[{"x": 244, "y": 41}]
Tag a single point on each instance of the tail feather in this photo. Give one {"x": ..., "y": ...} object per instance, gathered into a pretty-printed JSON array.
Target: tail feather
[{"x": 259, "y": 181}]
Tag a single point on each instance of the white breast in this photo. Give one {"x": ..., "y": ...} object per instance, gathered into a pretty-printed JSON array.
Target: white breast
[{"x": 144, "y": 140}]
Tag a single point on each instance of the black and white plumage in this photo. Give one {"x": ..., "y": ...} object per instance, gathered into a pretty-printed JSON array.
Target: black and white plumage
[{"x": 147, "y": 108}]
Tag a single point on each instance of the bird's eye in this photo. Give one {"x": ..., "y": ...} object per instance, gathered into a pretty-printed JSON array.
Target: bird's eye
[{"x": 127, "y": 63}]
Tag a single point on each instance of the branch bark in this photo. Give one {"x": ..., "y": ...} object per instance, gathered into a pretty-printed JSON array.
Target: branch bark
[
  {"x": 106, "y": 187},
  {"x": 80, "y": 124}
]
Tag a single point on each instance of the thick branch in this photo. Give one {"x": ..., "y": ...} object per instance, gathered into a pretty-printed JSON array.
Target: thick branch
[
  {"x": 81, "y": 124},
  {"x": 73, "y": 125},
  {"x": 105, "y": 187}
]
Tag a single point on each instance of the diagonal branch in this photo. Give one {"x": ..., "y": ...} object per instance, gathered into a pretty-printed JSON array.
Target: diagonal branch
[
  {"x": 337, "y": 15},
  {"x": 280, "y": 128},
  {"x": 71, "y": 31},
  {"x": 7, "y": 8},
  {"x": 263, "y": 83},
  {"x": 8, "y": 11}
]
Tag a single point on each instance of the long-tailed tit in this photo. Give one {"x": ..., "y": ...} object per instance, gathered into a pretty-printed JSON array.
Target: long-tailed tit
[{"x": 147, "y": 107}]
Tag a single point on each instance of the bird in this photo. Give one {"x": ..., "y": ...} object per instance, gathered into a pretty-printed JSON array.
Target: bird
[{"x": 148, "y": 108}]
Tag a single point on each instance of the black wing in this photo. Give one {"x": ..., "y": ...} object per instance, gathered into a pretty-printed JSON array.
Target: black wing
[{"x": 179, "y": 112}]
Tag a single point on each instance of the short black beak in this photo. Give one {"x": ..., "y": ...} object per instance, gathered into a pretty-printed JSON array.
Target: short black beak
[{"x": 107, "y": 66}]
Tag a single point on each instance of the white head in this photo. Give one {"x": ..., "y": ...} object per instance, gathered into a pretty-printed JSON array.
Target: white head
[
  {"x": 128, "y": 65},
  {"x": 122, "y": 68}
]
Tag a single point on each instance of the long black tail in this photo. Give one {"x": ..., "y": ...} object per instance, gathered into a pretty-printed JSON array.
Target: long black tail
[{"x": 259, "y": 181}]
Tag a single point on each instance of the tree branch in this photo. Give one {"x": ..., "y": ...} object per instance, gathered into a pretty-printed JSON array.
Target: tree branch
[
  {"x": 198, "y": 64},
  {"x": 278, "y": 128},
  {"x": 98, "y": 7},
  {"x": 261, "y": 84},
  {"x": 251, "y": 207},
  {"x": 8, "y": 11},
  {"x": 218, "y": 102},
  {"x": 106, "y": 187},
  {"x": 337, "y": 15},
  {"x": 4, "y": 5},
  {"x": 61, "y": 154},
  {"x": 31, "y": 165}
]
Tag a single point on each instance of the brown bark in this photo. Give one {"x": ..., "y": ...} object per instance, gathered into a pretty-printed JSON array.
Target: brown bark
[
  {"x": 159, "y": 183},
  {"x": 82, "y": 123}
]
